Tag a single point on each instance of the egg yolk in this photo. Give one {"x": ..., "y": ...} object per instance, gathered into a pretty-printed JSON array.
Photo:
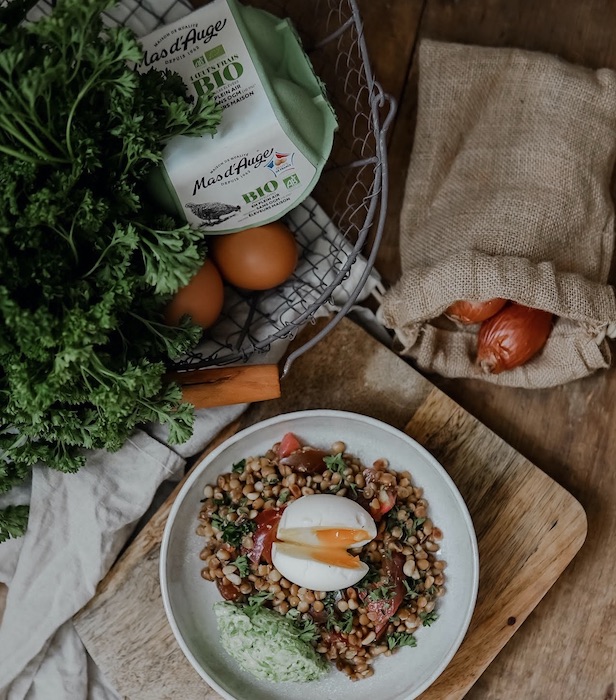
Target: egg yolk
[
  {"x": 327, "y": 555},
  {"x": 327, "y": 536},
  {"x": 325, "y": 544},
  {"x": 338, "y": 537}
]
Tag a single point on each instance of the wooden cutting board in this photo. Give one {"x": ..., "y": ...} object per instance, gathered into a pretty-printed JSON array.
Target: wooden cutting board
[{"x": 528, "y": 527}]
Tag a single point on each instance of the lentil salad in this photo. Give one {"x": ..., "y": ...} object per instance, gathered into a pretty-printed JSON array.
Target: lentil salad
[{"x": 349, "y": 627}]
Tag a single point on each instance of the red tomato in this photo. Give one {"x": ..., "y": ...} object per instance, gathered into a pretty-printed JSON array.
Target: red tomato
[
  {"x": 265, "y": 535},
  {"x": 306, "y": 460},
  {"x": 386, "y": 609},
  {"x": 228, "y": 590},
  {"x": 386, "y": 495},
  {"x": 288, "y": 444}
]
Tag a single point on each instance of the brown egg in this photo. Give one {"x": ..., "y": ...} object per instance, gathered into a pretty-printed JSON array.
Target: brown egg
[
  {"x": 201, "y": 298},
  {"x": 257, "y": 258}
]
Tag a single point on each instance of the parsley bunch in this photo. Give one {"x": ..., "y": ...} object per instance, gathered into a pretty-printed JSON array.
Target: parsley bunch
[{"x": 86, "y": 261}]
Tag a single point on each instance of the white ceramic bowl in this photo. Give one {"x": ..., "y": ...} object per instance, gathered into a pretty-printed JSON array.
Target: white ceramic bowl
[{"x": 188, "y": 599}]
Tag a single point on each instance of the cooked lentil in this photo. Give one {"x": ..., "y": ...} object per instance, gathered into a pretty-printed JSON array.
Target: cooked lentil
[{"x": 346, "y": 621}]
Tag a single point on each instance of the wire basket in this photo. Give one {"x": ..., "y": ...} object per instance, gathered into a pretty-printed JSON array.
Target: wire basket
[{"x": 352, "y": 188}]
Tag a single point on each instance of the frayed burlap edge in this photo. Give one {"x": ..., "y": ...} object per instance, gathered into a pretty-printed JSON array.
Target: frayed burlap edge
[{"x": 576, "y": 347}]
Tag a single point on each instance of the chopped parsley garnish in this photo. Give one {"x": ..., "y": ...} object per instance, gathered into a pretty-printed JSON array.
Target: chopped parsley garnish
[
  {"x": 372, "y": 576},
  {"x": 401, "y": 639},
  {"x": 258, "y": 599},
  {"x": 417, "y": 523},
  {"x": 224, "y": 499},
  {"x": 335, "y": 463},
  {"x": 345, "y": 623},
  {"x": 283, "y": 496},
  {"x": 428, "y": 618},
  {"x": 238, "y": 467},
  {"x": 409, "y": 585},
  {"x": 307, "y": 630},
  {"x": 329, "y": 603},
  {"x": 243, "y": 566},
  {"x": 409, "y": 527},
  {"x": 342, "y": 621},
  {"x": 381, "y": 593},
  {"x": 233, "y": 532}
]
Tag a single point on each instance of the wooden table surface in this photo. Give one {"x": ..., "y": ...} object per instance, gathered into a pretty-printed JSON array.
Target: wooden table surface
[{"x": 567, "y": 648}]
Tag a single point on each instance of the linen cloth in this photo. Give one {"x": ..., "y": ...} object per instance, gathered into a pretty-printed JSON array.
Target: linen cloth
[
  {"x": 77, "y": 527},
  {"x": 508, "y": 195}
]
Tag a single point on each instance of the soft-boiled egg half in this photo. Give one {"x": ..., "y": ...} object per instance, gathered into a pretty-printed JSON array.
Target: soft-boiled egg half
[{"x": 313, "y": 536}]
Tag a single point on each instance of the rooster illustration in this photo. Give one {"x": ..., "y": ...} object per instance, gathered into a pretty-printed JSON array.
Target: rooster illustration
[{"x": 213, "y": 213}]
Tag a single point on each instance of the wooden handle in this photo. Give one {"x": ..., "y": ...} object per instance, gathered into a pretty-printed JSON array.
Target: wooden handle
[{"x": 223, "y": 386}]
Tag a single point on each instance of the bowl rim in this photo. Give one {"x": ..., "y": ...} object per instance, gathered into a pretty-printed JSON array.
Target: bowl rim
[{"x": 295, "y": 415}]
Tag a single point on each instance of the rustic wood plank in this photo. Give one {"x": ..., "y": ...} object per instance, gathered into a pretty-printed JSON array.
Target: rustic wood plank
[
  {"x": 528, "y": 527},
  {"x": 566, "y": 648},
  {"x": 391, "y": 34},
  {"x": 513, "y": 575},
  {"x": 391, "y": 28},
  {"x": 568, "y": 432}
]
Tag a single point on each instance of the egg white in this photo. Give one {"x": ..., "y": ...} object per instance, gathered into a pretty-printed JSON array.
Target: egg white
[
  {"x": 299, "y": 525},
  {"x": 315, "y": 575},
  {"x": 324, "y": 511}
]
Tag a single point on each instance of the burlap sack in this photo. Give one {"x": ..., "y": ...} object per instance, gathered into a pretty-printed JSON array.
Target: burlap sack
[{"x": 508, "y": 195}]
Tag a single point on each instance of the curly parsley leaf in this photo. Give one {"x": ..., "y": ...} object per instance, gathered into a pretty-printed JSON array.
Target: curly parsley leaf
[
  {"x": 13, "y": 522},
  {"x": 233, "y": 532},
  {"x": 428, "y": 618},
  {"x": 87, "y": 264},
  {"x": 381, "y": 593},
  {"x": 258, "y": 599},
  {"x": 401, "y": 639},
  {"x": 335, "y": 463},
  {"x": 238, "y": 467},
  {"x": 243, "y": 566}
]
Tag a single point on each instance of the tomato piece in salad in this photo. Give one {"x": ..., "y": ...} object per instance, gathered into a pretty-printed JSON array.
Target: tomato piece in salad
[
  {"x": 288, "y": 445},
  {"x": 306, "y": 460},
  {"x": 228, "y": 590},
  {"x": 386, "y": 495},
  {"x": 386, "y": 608},
  {"x": 265, "y": 535}
]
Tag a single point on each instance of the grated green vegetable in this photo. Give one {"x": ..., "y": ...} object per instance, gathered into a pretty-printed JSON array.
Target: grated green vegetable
[{"x": 268, "y": 645}]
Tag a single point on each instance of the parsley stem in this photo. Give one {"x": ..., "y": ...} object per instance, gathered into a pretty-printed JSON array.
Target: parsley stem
[
  {"x": 101, "y": 257},
  {"x": 11, "y": 128},
  {"x": 69, "y": 239},
  {"x": 20, "y": 155},
  {"x": 71, "y": 115},
  {"x": 29, "y": 113}
]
